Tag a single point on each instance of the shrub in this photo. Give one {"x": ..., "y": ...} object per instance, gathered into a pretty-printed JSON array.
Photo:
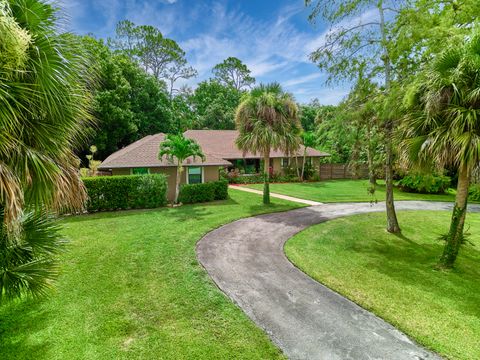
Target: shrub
[
  {"x": 258, "y": 178},
  {"x": 474, "y": 193},
  {"x": 210, "y": 191},
  {"x": 126, "y": 192},
  {"x": 425, "y": 184}
]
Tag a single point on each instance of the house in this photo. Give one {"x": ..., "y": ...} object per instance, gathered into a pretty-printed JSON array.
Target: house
[{"x": 220, "y": 151}]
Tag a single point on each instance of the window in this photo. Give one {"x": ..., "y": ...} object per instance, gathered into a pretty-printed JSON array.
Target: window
[
  {"x": 309, "y": 161},
  {"x": 285, "y": 162},
  {"x": 140, "y": 171},
  {"x": 194, "y": 175}
]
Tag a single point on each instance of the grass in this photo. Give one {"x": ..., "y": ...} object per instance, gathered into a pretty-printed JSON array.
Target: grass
[
  {"x": 345, "y": 191},
  {"x": 394, "y": 276},
  {"x": 131, "y": 288}
]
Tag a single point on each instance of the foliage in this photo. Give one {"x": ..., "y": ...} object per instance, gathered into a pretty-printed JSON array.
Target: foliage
[
  {"x": 147, "y": 45},
  {"x": 334, "y": 133},
  {"x": 233, "y": 73},
  {"x": 474, "y": 193},
  {"x": 176, "y": 149},
  {"x": 308, "y": 114},
  {"x": 267, "y": 119},
  {"x": 235, "y": 178},
  {"x": 214, "y": 105},
  {"x": 125, "y": 192},
  {"x": 197, "y": 193},
  {"x": 425, "y": 184},
  {"x": 129, "y": 103},
  {"x": 45, "y": 88},
  {"x": 28, "y": 264},
  {"x": 442, "y": 126},
  {"x": 354, "y": 45}
]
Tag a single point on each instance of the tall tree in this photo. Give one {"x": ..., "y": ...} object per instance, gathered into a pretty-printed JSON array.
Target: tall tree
[
  {"x": 233, "y": 72},
  {"x": 360, "y": 40},
  {"x": 128, "y": 103},
  {"x": 178, "y": 148},
  {"x": 44, "y": 106},
  {"x": 443, "y": 126},
  {"x": 267, "y": 119},
  {"x": 159, "y": 55},
  {"x": 215, "y": 105}
]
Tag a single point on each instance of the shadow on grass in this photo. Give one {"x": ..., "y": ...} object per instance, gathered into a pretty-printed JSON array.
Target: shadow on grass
[
  {"x": 19, "y": 321},
  {"x": 411, "y": 264}
]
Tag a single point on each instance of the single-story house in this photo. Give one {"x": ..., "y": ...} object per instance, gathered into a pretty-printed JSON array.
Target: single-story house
[{"x": 220, "y": 151}]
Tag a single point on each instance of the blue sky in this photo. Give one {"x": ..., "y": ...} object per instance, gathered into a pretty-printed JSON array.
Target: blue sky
[{"x": 274, "y": 38}]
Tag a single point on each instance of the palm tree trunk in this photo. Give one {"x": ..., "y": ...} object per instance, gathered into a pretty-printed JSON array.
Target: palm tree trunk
[
  {"x": 266, "y": 181},
  {"x": 177, "y": 182},
  {"x": 455, "y": 234},
  {"x": 296, "y": 164},
  {"x": 392, "y": 221},
  {"x": 304, "y": 160}
]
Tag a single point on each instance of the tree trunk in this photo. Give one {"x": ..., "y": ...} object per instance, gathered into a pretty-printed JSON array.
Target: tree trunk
[
  {"x": 455, "y": 235},
  {"x": 296, "y": 165},
  {"x": 372, "y": 178},
  {"x": 266, "y": 180},
  {"x": 304, "y": 160},
  {"x": 392, "y": 221},
  {"x": 177, "y": 182}
]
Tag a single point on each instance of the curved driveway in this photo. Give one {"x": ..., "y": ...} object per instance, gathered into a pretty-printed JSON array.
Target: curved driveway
[{"x": 304, "y": 318}]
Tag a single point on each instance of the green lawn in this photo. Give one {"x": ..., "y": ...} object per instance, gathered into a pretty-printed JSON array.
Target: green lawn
[
  {"x": 394, "y": 276},
  {"x": 131, "y": 288},
  {"x": 344, "y": 191}
]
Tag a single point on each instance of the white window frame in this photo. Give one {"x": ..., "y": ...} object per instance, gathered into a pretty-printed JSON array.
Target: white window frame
[{"x": 201, "y": 170}]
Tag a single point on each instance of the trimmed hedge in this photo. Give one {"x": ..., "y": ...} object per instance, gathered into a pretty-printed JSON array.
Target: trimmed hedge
[
  {"x": 425, "y": 184},
  {"x": 258, "y": 179},
  {"x": 126, "y": 192},
  {"x": 210, "y": 191}
]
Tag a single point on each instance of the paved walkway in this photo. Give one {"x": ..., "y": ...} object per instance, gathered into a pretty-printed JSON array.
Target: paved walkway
[
  {"x": 304, "y": 318},
  {"x": 278, "y": 196}
]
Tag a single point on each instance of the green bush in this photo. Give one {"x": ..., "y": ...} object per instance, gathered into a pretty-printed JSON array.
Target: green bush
[
  {"x": 210, "y": 191},
  {"x": 258, "y": 179},
  {"x": 474, "y": 193},
  {"x": 425, "y": 184},
  {"x": 126, "y": 192}
]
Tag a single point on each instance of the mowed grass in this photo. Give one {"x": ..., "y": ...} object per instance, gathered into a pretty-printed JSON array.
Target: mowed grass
[
  {"x": 346, "y": 191},
  {"x": 131, "y": 288},
  {"x": 394, "y": 276}
]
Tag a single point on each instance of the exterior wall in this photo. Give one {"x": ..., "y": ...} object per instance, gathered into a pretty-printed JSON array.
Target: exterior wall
[
  {"x": 120, "y": 171},
  {"x": 277, "y": 165},
  {"x": 210, "y": 173},
  {"x": 293, "y": 162}
]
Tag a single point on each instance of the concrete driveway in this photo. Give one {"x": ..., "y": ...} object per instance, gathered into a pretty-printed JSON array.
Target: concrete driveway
[{"x": 304, "y": 318}]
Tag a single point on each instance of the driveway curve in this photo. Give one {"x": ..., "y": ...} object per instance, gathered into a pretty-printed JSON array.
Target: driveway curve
[{"x": 303, "y": 317}]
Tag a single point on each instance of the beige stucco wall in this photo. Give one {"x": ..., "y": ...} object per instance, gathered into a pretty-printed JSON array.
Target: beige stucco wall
[
  {"x": 277, "y": 165},
  {"x": 210, "y": 173}
]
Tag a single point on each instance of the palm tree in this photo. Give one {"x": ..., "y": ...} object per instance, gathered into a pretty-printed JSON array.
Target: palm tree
[
  {"x": 178, "y": 148},
  {"x": 308, "y": 140},
  {"x": 44, "y": 102},
  {"x": 444, "y": 126},
  {"x": 267, "y": 119}
]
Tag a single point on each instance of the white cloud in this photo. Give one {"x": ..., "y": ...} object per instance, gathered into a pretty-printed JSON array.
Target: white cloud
[{"x": 302, "y": 79}]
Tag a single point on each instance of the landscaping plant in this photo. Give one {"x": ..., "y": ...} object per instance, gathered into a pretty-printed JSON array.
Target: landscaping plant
[
  {"x": 443, "y": 127},
  {"x": 44, "y": 102},
  {"x": 267, "y": 119},
  {"x": 177, "y": 148}
]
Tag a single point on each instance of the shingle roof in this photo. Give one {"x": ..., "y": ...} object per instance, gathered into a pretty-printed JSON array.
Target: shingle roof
[
  {"x": 217, "y": 145},
  {"x": 144, "y": 153},
  {"x": 221, "y": 143}
]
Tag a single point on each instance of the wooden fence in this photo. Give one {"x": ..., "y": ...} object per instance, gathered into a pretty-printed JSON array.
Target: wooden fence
[{"x": 342, "y": 171}]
